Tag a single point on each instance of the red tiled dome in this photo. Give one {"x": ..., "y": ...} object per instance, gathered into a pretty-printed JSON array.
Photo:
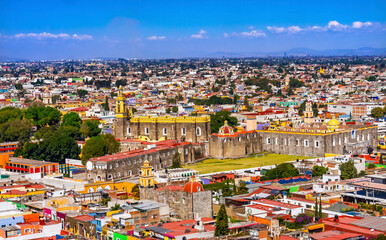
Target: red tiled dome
[{"x": 193, "y": 186}]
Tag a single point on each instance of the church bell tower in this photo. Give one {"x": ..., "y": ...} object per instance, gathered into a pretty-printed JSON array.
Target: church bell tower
[{"x": 120, "y": 125}]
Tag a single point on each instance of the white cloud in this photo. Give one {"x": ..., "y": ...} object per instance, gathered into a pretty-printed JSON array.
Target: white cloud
[
  {"x": 200, "y": 34},
  {"x": 276, "y": 29},
  {"x": 82, "y": 37},
  {"x": 251, "y": 34},
  {"x": 294, "y": 29},
  {"x": 331, "y": 26},
  {"x": 156, "y": 38},
  {"x": 291, "y": 29},
  {"x": 45, "y": 35},
  {"x": 359, "y": 24},
  {"x": 336, "y": 26}
]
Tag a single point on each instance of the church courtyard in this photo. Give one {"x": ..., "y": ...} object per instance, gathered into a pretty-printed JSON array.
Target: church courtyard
[{"x": 258, "y": 160}]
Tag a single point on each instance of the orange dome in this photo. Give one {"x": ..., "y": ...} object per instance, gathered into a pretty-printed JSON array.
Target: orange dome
[{"x": 193, "y": 186}]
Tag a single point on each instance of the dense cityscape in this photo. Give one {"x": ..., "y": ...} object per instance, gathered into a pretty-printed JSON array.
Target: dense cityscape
[
  {"x": 229, "y": 148},
  {"x": 193, "y": 120}
]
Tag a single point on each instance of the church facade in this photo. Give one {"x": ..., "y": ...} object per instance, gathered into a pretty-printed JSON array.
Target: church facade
[
  {"x": 157, "y": 128},
  {"x": 187, "y": 202}
]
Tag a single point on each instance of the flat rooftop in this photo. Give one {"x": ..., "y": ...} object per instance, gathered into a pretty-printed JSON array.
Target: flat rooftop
[{"x": 35, "y": 163}]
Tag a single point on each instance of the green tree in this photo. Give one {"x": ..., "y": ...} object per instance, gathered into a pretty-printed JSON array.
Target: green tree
[
  {"x": 320, "y": 207},
  {"x": 377, "y": 112},
  {"x": 43, "y": 116},
  {"x": 56, "y": 146},
  {"x": 222, "y": 227},
  {"x": 116, "y": 207},
  {"x": 381, "y": 237},
  {"x": 10, "y": 113},
  {"x": 90, "y": 128},
  {"x": 135, "y": 191},
  {"x": 105, "y": 105},
  {"x": 290, "y": 92},
  {"x": 71, "y": 119},
  {"x": 302, "y": 107},
  {"x": 294, "y": 83},
  {"x": 316, "y": 213},
  {"x": 81, "y": 93},
  {"x": 112, "y": 144},
  {"x": 318, "y": 171},
  {"x": 371, "y": 165},
  {"x": 283, "y": 170},
  {"x": 94, "y": 147},
  {"x": 175, "y": 109},
  {"x": 176, "y": 160},
  {"x": 168, "y": 110},
  {"x": 15, "y": 130},
  {"x": 217, "y": 120},
  {"x": 246, "y": 103},
  {"x": 348, "y": 170},
  {"x": 380, "y": 159},
  {"x": 235, "y": 98}
]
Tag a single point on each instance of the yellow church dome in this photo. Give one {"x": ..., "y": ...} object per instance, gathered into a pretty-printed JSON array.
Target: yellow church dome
[{"x": 333, "y": 122}]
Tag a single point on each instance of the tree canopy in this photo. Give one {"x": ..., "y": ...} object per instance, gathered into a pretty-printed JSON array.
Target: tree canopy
[
  {"x": 90, "y": 128},
  {"x": 283, "y": 170},
  {"x": 56, "y": 146},
  {"x": 10, "y": 113},
  {"x": 72, "y": 119},
  {"x": 16, "y": 130},
  {"x": 100, "y": 145},
  {"x": 176, "y": 160},
  {"x": 43, "y": 116},
  {"x": 217, "y": 120},
  {"x": 348, "y": 170},
  {"x": 222, "y": 227},
  {"x": 318, "y": 170}
]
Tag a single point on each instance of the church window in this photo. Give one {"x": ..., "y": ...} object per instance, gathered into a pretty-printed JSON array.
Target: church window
[
  {"x": 109, "y": 177},
  {"x": 111, "y": 166},
  {"x": 306, "y": 143},
  {"x": 119, "y": 174},
  {"x": 150, "y": 158},
  {"x": 239, "y": 139},
  {"x": 128, "y": 162},
  {"x": 186, "y": 151},
  {"x": 146, "y": 131},
  {"x": 123, "y": 163},
  {"x": 285, "y": 141},
  {"x": 198, "y": 131},
  {"x": 363, "y": 137},
  {"x": 345, "y": 139},
  {"x": 129, "y": 131},
  {"x": 317, "y": 144},
  {"x": 268, "y": 140},
  {"x": 165, "y": 131},
  {"x": 134, "y": 162},
  {"x": 358, "y": 138},
  {"x": 276, "y": 141},
  {"x": 116, "y": 164},
  {"x": 333, "y": 142},
  {"x": 183, "y": 131},
  {"x": 340, "y": 141},
  {"x": 297, "y": 142}
]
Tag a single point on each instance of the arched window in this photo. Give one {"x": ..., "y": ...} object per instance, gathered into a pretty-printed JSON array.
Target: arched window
[{"x": 198, "y": 131}]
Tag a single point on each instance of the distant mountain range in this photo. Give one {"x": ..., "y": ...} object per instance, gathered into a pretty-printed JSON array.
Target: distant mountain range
[
  {"x": 295, "y": 52},
  {"x": 301, "y": 52}
]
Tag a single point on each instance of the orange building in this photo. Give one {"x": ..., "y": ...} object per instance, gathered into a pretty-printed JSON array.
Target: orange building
[{"x": 24, "y": 165}]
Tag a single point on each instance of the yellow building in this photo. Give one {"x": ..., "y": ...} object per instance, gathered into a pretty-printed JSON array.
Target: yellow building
[{"x": 146, "y": 178}]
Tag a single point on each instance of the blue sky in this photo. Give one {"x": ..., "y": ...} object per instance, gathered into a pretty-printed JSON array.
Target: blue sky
[{"x": 153, "y": 29}]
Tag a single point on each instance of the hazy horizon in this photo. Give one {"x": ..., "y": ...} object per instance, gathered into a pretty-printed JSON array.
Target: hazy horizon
[{"x": 177, "y": 29}]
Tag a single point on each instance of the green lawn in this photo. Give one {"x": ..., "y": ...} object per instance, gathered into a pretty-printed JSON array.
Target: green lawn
[{"x": 219, "y": 165}]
